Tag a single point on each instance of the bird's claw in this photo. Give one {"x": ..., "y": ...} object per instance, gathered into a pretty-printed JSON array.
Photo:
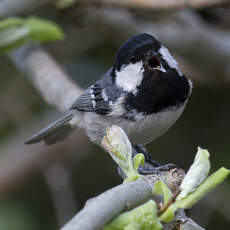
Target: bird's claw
[{"x": 155, "y": 170}]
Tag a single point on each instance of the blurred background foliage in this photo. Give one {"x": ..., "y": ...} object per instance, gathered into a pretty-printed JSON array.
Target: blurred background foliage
[{"x": 54, "y": 187}]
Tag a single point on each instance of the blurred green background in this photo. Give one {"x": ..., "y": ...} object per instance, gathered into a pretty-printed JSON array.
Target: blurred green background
[{"x": 43, "y": 191}]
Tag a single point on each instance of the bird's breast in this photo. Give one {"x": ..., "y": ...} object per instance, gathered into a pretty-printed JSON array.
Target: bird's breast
[
  {"x": 148, "y": 128},
  {"x": 143, "y": 130}
]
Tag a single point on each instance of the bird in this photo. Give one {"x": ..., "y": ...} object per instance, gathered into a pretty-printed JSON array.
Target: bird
[{"x": 144, "y": 93}]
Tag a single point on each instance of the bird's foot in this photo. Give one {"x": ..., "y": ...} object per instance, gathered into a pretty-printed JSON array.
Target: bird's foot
[
  {"x": 155, "y": 170},
  {"x": 148, "y": 158},
  {"x": 153, "y": 167}
]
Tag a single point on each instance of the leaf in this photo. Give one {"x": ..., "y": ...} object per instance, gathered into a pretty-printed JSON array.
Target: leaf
[
  {"x": 42, "y": 30},
  {"x": 197, "y": 173},
  {"x": 144, "y": 215},
  {"x": 132, "y": 226},
  {"x": 119, "y": 147},
  {"x": 13, "y": 37},
  {"x": 160, "y": 188},
  {"x": 210, "y": 183},
  {"x": 138, "y": 160},
  {"x": 14, "y": 32},
  {"x": 11, "y": 22}
]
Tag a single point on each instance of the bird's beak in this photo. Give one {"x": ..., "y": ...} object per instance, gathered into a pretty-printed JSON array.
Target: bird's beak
[
  {"x": 154, "y": 62},
  {"x": 161, "y": 68}
]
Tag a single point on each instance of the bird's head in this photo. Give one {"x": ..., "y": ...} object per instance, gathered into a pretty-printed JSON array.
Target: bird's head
[
  {"x": 144, "y": 68},
  {"x": 140, "y": 54}
]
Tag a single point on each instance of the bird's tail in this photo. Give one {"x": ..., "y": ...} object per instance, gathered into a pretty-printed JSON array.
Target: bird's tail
[{"x": 55, "y": 132}]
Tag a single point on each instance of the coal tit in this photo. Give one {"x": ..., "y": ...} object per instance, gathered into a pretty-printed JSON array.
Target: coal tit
[{"x": 144, "y": 93}]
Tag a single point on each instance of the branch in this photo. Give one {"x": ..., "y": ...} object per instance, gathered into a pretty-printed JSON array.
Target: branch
[
  {"x": 104, "y": 207},
  {"x": 61, "y": 190},
  {"x": 19, "y": 162},
  {"x": 161, "y": 5},
  {"x": 182, "y": 222},
  {"x": 100, "y": 210},
  {"x": 171, "y": 191},
  {"x": 202, "y": 56},
  {"x": 57, "y": 89},
  {"x": 51, "y": 80},
  {"x": 15, "y": 7}
]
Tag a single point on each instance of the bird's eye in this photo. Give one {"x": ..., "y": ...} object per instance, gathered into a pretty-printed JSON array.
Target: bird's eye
[
  {"x": 154, "y": 62},
  {"x": 132, "y": 59}
]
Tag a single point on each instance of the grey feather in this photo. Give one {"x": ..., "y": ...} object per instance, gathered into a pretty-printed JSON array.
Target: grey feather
[
  {"x": 56, "y": 131},
  {"x": 97, "y": 97},
  {"x": 59, "y": 135},
  {"x": 84, "y": 102},
  {"x": 92, "y": 100}
]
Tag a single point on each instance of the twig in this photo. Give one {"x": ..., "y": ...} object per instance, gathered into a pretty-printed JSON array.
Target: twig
[{"x": 171, "y": 201}]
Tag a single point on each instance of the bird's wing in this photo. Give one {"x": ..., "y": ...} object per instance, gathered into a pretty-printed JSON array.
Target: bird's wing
[
  {"x": 92, "y": 99},
  {"x": 84, "y": 102}
]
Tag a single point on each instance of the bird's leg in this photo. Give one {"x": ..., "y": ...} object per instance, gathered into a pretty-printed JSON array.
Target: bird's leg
[
  {"x": 148, "y": 158},
  {"x": 151, "y": 165}
]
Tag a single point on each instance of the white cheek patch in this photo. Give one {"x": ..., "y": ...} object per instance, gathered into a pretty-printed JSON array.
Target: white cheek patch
[
  {"x": 169, "y": 59},
  {"x": 130, "y": 76}
]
